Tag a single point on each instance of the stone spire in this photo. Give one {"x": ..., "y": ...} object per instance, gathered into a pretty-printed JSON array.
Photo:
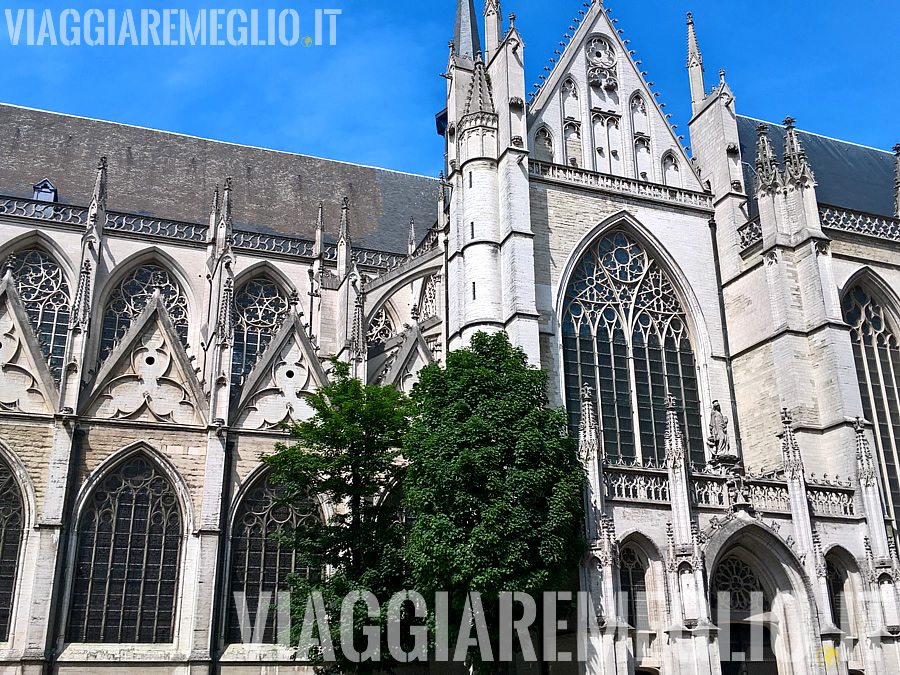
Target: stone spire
[
  {"x": 897, "y": 182},
  {"x": 796, "y": 166},
  {"x": 480, "y": 98},
  {"x": 344, "y": 234},
  {"x": 588, "y": 442},
  {"x": 695, "y": 66},
  {"x": 344, "y": 245},
  {"x": 319, "y": 249},
  {"x": 493, "y": 28},
  {"x": 213, "y": 215},
  {"x": 225, "y": 215},
  {"x": 674, "y": 439},
  {"x": 411, "y": 240},
  {"x": 790, "y": 451},
  {"x": 466, "y": 36},
  {"x": 97, "y": 208},
  {"x": 768, "y": 175}
]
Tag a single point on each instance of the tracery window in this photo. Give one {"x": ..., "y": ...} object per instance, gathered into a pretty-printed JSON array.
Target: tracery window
[
  {"x": 260, "y": 307},
  {"x": 44, "y": 292},
  {"x": 127, "y": 557},
  {"x": 11, "y": 527},
  {"x": 877, "y": 355},
  {"x": 259, "y": 564},
  {"x": 132, "y": 295},
  {"x": 633, "y": 583},
  {"x": 430, "y": 298},
  {"x": 381, "y": 328},
  {"x": 625, "y": 335},
  {"x": 744, "y": 589}
]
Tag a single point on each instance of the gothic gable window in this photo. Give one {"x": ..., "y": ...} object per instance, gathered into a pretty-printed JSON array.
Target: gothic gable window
[
  {"x": 11, "y": 526},
  {"x": 625, "y": 335},
  {"x": 877, "y": 355},
  {"x": 738, "y": 583},
  {"x": 260, "y": 307},
  {"x": 259, "y": 565},
  {"x": 127, "y": 558},
  {"x": 131, "y": 296},
  {"x": 381, "y": 328},
  {"x": 44, "y": 292}
]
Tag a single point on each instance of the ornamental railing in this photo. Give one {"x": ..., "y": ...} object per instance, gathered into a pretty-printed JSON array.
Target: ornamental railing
[
  {"x": 859, "y": 223},
  {"x": 620, "y": 185},
  {"x": 30, "y": 208},
  {"x": 750, "y": 233},
  {"x": 831, "y": 501},
  {"x": 156, "y": 227},
  {"x": 641, "y": 485},
  {"x": 198, "y": 232}
]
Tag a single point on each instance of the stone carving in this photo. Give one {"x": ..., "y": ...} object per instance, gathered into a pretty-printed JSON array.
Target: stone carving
[
  {"x": 20, "y": 388},
  {"x": 718, "y": 440},
  {"x": 282, "y": 396},
  {"x": 148, "y": 385},
  {"x": 601, "y": 56}
]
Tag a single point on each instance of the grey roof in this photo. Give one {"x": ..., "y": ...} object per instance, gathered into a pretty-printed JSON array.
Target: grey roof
[
  {"x": 848, "y": 175},
  {"x": 173, "y": 176},
  {"x": 466, "y": 36}
]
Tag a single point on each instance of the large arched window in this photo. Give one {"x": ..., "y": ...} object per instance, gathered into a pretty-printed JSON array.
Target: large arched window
[
  {"x": 44, "y": 292},
  {"x": 260, "y": 307},
  {"x": 127, "y": 558},
  {"x": 543, "y": 145},
  {"x": 625, "y": 335},
  {"x": 11, "y": 525},
  {"x": 132, "y": 295},
  {"x": 877, "y": 355},
  {"x": 259, "y": 564}
]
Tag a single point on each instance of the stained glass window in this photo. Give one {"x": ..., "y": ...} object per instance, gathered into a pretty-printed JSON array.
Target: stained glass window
[
  {"x": 129, "y": 298},
  {"x": 127, "y": 557},
  {"x": 45, "y": 294},
  {"x": 11, "y": 516},
  {"x": 877, "y": 355},
  {"x": 625, "y": 335},
  {"x": 260, "y": 565},
  {"x": 260, "y": 307},
  {"x": 738, "y": 580}
]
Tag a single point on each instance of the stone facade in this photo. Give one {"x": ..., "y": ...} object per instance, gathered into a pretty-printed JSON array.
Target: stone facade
[{"x": 720, "y": 326}]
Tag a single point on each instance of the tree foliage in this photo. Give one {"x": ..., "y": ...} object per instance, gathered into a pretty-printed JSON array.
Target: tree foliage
[
  {"x": 494, "y": 481},
  {"x": 348, "y": 453}
]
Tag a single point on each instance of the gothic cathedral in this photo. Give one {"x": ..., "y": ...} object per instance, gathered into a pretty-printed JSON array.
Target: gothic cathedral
[{"x": 721, "y": 325}]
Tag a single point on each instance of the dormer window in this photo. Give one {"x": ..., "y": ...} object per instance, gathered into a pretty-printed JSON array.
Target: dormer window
[{"x": 44, "y": 191}]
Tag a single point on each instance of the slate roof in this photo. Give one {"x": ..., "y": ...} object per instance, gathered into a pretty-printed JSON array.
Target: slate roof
[
  {"x": 850, "y": 176},
  {"x": 172, "y": 176}
]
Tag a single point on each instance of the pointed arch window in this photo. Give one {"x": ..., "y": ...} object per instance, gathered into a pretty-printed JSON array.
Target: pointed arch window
[
  {"x": 639, "y": 122},
  {"x": 543, "y": 146},
  {"x": 381, "y": 328},
  {"x": 836, "y": 577},
  {"x": 132, "y": 295},
  {"x": 259, "y": 564},
  {"x": 260, "y": 307},
  {"x": 625, "y": 335},
  {"x": 876, "y": 352},
  {"x": 44, "y": 292},
  {"x": 633, "y": 583},
  {"x": 128, "y": 552},
  {"x": 574, "y": 154},
  {"x": 671, "y": 171},
  {"x": 429, "y": 304},
  {"x": 11, "y": 531},
  {"x": 738, "y": 583},
  {"x": 571, "y": 106}
]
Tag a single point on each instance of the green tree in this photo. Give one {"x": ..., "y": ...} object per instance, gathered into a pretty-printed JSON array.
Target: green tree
[
  {"x": 494, "y": 482},
  {"x": 348, "y": 452}
]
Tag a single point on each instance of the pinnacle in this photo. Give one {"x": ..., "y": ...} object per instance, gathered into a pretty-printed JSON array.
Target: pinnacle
[
  {"x": 480, "y": 98},
  {"x": 466, "y": 36}
]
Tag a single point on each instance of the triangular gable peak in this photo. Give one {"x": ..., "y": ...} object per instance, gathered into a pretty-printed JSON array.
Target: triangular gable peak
[
  {"x": 404, "y": 361},
  {"x": 26, "y": 384},
  {"x": 277, "y": 387},
  {"x": 596, "y": 112},
  {"x": 149, "y": 377}
]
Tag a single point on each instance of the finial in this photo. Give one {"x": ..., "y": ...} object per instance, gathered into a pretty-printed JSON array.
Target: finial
[
  {"x": 512, "y": 20},
  {"x": 787, "y": 418},
  {"x": 896, "y": 149},
  {"x": 796, "y": 167},
  {"x": 690, "y": 19},
  {"x": 768, "y": 176},
  {"x": 411, "y": 242},
  {"x": 722, "y": 76},
  {"x": 10, "y": 265}
]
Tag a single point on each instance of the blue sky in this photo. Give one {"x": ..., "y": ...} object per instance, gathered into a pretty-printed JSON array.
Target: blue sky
[{"x": 372, "y": 98}]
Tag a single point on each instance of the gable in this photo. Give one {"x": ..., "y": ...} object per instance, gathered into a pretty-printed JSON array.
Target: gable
[
  {"x": 148, "y": 377},
  {"x": 26, "y": 384},
  {"x": 279, "y": 384},
  {"x": 601, "y": 114}
]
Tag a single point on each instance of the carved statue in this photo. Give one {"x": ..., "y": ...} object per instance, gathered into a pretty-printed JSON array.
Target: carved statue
[{"x": 718, "y": 433}]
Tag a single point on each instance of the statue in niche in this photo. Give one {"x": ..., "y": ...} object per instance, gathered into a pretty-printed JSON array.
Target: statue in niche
[{"x": 718, "y": 440}]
